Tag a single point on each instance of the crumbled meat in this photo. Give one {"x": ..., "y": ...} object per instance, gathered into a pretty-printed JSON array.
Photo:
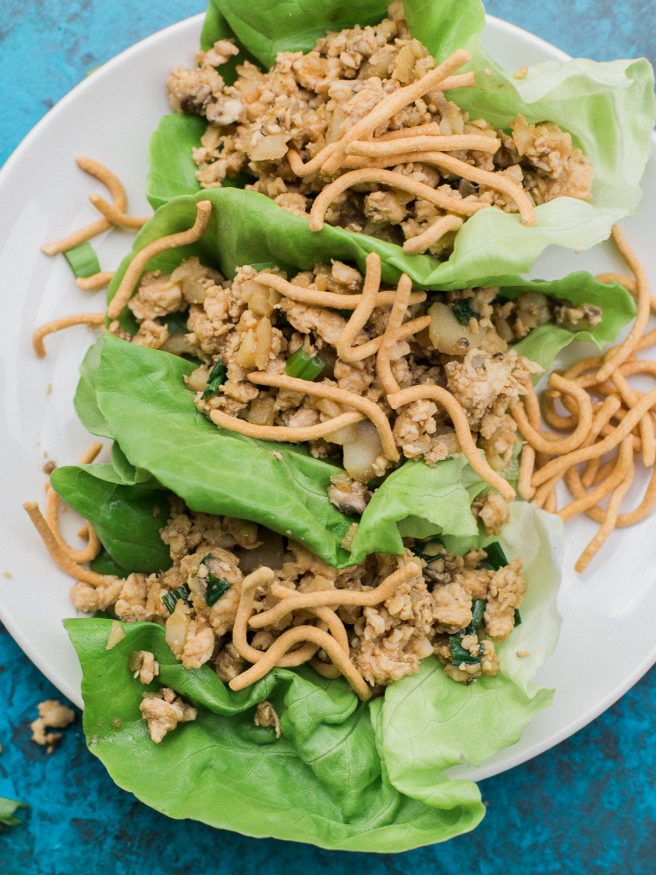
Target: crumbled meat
[
  {"x": 452, "y": 607},
  {"x": 267, "y": 718},
  {"x": 493, "y": 512},
  {"x": 144, "y": 666},
  {"x": 151, "y": 334},
  {"x": 52, "y": 715},
  {"x": 578, "y": 318},
  {"x": 506, "y": 592},
  {"x": 393, "y": 638},
  {"x": 157, "y": 296},
  {"x": 163, "y": 711}
]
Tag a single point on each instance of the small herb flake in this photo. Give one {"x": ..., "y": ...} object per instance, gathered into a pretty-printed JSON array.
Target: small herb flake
[
  {"x": 463, "y": 311},
  {"x": 478, "y": 609},
  {"x": 216, "y": 586},
  {"x": 217, "y": 378},
  {"x": 173, "y": 597},
  {"x": 459, "y": 654},
  {"x": 495, "y": 558}
]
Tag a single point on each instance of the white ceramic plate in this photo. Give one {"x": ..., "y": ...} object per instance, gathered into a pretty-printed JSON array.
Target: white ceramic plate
[{"x": 603, "y": 648}]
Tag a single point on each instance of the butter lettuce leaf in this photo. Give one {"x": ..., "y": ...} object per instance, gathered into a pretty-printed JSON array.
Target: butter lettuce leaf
[
  {"x": 323, "y": 782},
  {"x": 419, "y": 501},
  {"x": 126, "y": 518},
  {"x": 344, "y": 775},
  {"x": 148, "y": 410}
]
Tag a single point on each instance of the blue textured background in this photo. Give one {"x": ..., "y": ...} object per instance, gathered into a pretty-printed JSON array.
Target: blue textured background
[{"x": 586, "y": 807}]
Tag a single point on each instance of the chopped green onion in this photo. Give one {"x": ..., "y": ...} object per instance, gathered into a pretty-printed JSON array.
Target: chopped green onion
[
  {"x": 459, "y": 654},
  {"x": 518, "y": 618},
  {"x": 429, "y": 550},
  {"x": 303, "y": 366},
  {"x": 478, "y": 609},
  {"x": 83, "y": 260},
  {"x": 217, "y": 378},
  {"x": 173, "y": 597},
  {"x": 216, "y": 586},
  {"x": 463, "y": 311},
  {"x": 8, "y": 807},
  {"x": 495, "y": 558}
]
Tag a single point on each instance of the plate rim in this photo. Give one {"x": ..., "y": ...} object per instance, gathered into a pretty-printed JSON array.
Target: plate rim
[{"x": 74, "y": 694}]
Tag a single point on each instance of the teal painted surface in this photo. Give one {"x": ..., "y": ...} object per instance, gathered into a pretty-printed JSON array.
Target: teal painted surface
[{"x": 586, "y": 807}]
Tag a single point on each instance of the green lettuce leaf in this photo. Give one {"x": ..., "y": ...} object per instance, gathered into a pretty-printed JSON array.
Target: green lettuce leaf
[
  {"x": 8, "y": 808},
  {"x": 608, "y": 107},
  {"x": 172, "y": 172},
  {"x": 416, "y": 501},
  {"x": 474, "y": 722},
  {"x": 151, "y": 414},
  {"x": 344, "y": 775},
  {"x": 248, "y": 228},
  {"x": 127, "y": 518}
]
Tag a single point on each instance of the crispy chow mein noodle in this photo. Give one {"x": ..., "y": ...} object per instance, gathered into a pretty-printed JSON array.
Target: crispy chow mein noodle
[
  {"x": 429, "y": 143},
  {"x": 53, "y": 506},
  {"x": 391, "y": 335},
  {"x": 493, "y": 180},
  {"x": 297, "y": 635},
  {"x": 58, "y": 554},
  {"x": 117, "y": 217},
  {"x": 117, "y": 191},
  {"x": 362, "y": 313},
  {"x": 261, "y": 577},
  {"x": 395, "y": 180},
  {"x": 95, "y": 281},
  {"x": 95, "y": 320},
  {"x": 433, "y": 233},
  {"x": 291, "y": 434},
  {"x": 304, "y": 387},
  {"x": 328, "y": 299},
  {"x": 338, "y": 597},
  {"x": 394, "y": 103},
  {"x": 615, "y": 357}
]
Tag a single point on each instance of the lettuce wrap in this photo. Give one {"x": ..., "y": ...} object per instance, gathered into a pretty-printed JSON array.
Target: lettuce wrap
[
  {"x": 608, "y": 108},
  {"x": 263, "y": 235},
  {"x": 345, "y": 774}
]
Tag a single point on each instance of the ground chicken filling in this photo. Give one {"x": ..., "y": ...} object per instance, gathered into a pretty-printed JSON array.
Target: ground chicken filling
[
  {"x": 238, "y": 328},
  {"x": 259, "y": 124},
  {"x": 456, "y": 607}
]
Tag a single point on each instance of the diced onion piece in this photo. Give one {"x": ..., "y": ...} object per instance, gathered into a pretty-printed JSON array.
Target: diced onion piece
[
  {"x": 83, "y": 260},
  {"x": 269, "y": 148},
  {"x": 361, "y": 453},
  {"x": 446, "y": 334},
  {"x": 176, "y": 628},
  {"x": 177, "y": 344},
  {"x": 116, "y": 634}
]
